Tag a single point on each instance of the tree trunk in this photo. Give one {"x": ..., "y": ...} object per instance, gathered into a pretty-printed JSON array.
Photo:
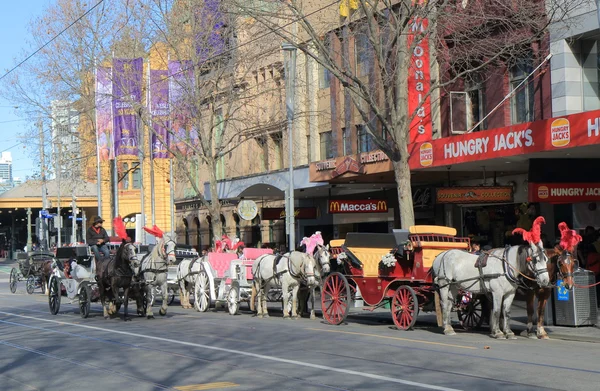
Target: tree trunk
[
  {"x": 405, "y": 201},
  {"x": 215, "y": 204}
]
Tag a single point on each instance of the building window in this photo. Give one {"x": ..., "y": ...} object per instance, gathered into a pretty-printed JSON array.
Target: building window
[
  {"x": 198, "y": 235},
  {"x": 308, "y": 149},
  {"x": 466, "y": 109},
  {"x": 136, "y": 178},
  {"x": 263, "y": 159},
  {"x": 326, "y": 146},
  {"x": 347, "y": 141},
  {"x": 324, "y": 74},
  {"x": 365, "y": 140},
  {"x": 187, "y": 231},
  {"x": 362, "y": 48},
  {"x": 278, "y": 151},
  {"x": 124, "y": 185},
  {"x": 522, "y": 98}
]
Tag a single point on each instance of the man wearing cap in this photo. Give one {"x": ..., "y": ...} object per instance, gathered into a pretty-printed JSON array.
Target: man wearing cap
[{"x": 97, "y": 238}]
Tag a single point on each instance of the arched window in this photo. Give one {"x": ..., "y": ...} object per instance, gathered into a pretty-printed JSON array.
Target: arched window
[
  {"x": 137, "y": 178},
  {"x": 198, "y": 235},
  {"x": 224, "y": 231},
  {"x": 256, "y": 234},
  {"x": 238, "y": 231},
  {"x": 187, "y": 231},
  {"x": 211, "y": 239}
]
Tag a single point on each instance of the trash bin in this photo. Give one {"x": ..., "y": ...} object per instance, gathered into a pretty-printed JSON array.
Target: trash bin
[{"x": 578, "y": 307}]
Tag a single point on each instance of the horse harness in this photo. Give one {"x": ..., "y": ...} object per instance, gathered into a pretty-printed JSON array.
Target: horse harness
[
  {"x": 508, "y": 269},
  {"x": 163, "y": 256},
  {"x": 299, "y": 276}
]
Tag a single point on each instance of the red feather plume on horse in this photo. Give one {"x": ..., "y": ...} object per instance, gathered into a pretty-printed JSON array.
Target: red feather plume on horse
[
  {"x": 154, "y": 231},
  {"x": 568, "y": 237},
  {"x": 535, "y": 234},
  {"x": 120, "y": 228}
]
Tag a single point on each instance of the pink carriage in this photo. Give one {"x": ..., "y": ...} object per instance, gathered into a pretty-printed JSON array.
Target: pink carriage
[{"x": 224, "y": 279}]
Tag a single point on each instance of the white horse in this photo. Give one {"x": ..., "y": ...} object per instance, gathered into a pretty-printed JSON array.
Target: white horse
[
  {"x": 187, "y": 272},
  {"x": 455, "y": 269},
  {"x": 287, "y": 272},
  {"x": 323, "y": 256},
  {"x": 153, "y": 271}
]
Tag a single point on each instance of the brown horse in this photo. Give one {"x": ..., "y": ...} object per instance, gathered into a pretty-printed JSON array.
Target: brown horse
[{"x": 561, "y": 265}]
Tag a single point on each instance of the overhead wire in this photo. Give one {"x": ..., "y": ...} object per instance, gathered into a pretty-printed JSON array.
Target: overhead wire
[{"x": 51, "y": 40}]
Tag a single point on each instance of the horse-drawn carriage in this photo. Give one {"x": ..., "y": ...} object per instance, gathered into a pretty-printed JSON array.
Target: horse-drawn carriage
[
  {"x": 73, "y": 277},
  {"x": 388, "y": 269},
  {"x": 32, "y": 269},
  {"x": 224, "y": 279}
]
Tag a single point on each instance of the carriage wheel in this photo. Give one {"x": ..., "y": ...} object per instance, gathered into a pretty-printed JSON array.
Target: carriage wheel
[
  {"x": 14, "y": 277},
  {"x": 30, "y": 285},
  {"x": 405, "y": 307},
  {"x": 170, "y": 296},
  {"x": 233, "y": 299},
  {"x": 54, "y": 297},
  {"x": 471, "y": 314},
  {"x": 202, "y": 292},
  {"x": 335, "y": 298},
  {"x": 84, "y": 301}
]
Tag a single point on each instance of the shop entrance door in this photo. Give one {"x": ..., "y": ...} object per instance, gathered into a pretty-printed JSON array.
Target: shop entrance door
[{"x": 378, "y": 227}]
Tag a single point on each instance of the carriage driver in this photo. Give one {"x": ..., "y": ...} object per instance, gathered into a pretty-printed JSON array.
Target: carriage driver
[{"x": 97, "y": 238}]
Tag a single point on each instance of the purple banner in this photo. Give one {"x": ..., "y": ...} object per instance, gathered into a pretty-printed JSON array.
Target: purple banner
[
  {"x": 127, "y": 94},
  {"x": 210, "y": 40},
  {"x": 181, "y": 80},
  {"x": 104, "y": 125},
  {"x": 159, "y": 109}
]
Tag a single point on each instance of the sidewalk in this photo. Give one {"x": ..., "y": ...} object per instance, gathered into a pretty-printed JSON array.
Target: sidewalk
[{"x": 518, "y": 323}]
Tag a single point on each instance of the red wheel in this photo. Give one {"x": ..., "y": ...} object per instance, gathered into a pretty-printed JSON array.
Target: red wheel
[
  {"x": 335, "y": 298},
  {"x": 405, "y": 307}
]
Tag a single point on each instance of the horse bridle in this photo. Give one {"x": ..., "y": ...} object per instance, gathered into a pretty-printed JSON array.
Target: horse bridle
[
  {"x": 535, "y": 257},
  {"x": 561, "y": 259},
  {"x": 317, "y": 254}
]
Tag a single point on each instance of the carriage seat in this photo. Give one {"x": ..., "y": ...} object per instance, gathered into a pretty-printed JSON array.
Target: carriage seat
[
  {"x": 219, "y": 262},
  {"x": 370, "y": 258}
]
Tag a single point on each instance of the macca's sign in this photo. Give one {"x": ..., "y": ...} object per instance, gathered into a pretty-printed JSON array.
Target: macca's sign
[{"x": 358, "y": 206}]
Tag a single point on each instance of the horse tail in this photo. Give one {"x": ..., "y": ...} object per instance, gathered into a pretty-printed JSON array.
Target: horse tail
[{"x": 252, "y": 297}]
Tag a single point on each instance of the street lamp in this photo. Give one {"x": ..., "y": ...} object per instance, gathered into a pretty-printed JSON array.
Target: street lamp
[{"x": 289, "y": 57}]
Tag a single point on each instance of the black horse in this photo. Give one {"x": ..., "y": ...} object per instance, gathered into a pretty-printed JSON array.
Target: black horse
[{"x": 116, "y": 273}]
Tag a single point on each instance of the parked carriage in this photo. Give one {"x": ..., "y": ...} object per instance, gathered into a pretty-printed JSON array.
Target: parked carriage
[
  {"x": 226, "y": 280},
  {"x": 392, "y": 269},
  {"x": 30, "y": 270}
]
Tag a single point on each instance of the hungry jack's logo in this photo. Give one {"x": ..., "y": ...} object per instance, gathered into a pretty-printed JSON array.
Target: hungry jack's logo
[
  {"x": 560, "y": 132},
  {"x": 426, "y": 154}
]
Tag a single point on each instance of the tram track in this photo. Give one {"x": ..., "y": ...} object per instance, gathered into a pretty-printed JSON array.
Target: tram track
[{"x": 145, "y": 348}]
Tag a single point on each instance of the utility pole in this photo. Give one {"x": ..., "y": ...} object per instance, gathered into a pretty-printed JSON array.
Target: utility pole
[
  {"x": 289, "y": 52},
  {"x": 29, "y": 239},
  {"x": 43, "y": 243},
  {"x": 58, "y": 177}
]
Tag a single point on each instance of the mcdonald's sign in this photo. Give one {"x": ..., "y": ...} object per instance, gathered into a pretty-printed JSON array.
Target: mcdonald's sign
[{"x": 358, "y": 206}]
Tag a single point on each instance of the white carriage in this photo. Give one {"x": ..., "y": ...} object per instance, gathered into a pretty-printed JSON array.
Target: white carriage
[
  {"x": 226, "y": 280},
  {"x": 77, "y": 281}
]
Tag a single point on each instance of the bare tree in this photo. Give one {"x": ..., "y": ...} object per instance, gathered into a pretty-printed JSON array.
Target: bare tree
[
  {"x": 218, "y": 105},
  {"x": 463, "y": 40}
]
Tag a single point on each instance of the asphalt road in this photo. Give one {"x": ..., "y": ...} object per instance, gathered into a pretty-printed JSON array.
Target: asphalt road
[{"x": 187, "y": 351}]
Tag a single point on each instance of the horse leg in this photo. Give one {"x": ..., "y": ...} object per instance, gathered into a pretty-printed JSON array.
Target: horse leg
[
  {"x": 295, "y": 302},
  {"x": 312, "y": 309},
  {"x": 165, "y": 298},
  {"x": 265, "y": 310},
  {"x": 125, "y": 303},
  {"x": 182, "y": 293},
  {"x": 543, "y": 296},
  {"x": 495, "y": 317},
  {"x": 507, "y": 303},
  {"x": 149, "y": 301},
  {"x": 285, "y": 289},
  {"x": 529, "y": 298},
  {"x": 446, "y": 304},
  {"x": 103, "y": 301}
]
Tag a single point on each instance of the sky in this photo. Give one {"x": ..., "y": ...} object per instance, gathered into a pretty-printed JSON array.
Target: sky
[{"x": 14, "y": 19}]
